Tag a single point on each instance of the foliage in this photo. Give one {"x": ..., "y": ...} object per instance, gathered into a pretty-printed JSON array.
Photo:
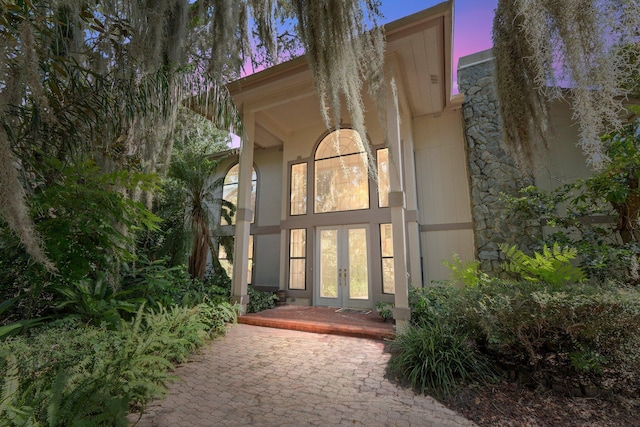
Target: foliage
[
  {"x": 552, "y": 265},
  {"x": 260, "y": 300},
  {"x": 432, "y": 304},
  {"x": 579, "y": 329},
  {"x": 599, "y": 215},
  {"x": 192, "y": 169},
  {"x": 95, "y": 301},
  {"x": 189, "y": 196},
  {"x": 540, "y": 44},
  {"x": 103, "y": 81},
  {"x": 385, "y": 310},
  {"x": 72, "y": 374},
  {"x": 583, "y": 333},
  {"x": 466, "y": 273},
  {"x": 436, "y": 357},
  {"x": 90, "y": 231}
]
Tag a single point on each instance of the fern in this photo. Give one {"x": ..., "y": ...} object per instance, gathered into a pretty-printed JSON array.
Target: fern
[
  {"x": 12, "y": 409},
  {"x": 552, "y": 266},
  {"x": 466, "y": 273}
]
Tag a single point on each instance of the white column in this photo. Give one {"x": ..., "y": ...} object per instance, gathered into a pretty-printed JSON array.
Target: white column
[
  {"x": 401, "y": 312},
  {"x": 243, "y": 213}
]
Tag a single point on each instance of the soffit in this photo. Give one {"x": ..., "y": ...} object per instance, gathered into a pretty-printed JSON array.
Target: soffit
[{"x": 283, "y": 97}]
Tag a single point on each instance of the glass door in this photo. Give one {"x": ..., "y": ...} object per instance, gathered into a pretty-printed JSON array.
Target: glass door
[{"x": 342, "y": 276}]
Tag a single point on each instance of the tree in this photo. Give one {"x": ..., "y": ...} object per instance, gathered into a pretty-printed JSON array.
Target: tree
[
  {"x": 104, "y": 79},
  {"x": 190, "y": 192},
  {"x": 540, "y": 44}
]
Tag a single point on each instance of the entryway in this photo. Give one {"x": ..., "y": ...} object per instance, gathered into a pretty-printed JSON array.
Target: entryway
[{"x": 342, "y": 276}]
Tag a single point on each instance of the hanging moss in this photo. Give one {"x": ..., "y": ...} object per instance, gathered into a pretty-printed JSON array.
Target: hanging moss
[
  {"x": 541, "y": 44},
  {"x": 103, "y": 79}
]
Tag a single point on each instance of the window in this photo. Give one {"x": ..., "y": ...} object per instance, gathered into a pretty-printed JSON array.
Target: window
[
  {"x": 298, "y": 189},
  {"x": 297, "y": 258},
  {"x": 383, "y": 177},
  {"x": 230, "y": 191},
  {"x": 228, "y": 266},
  {"x": 386, "y": 246},
  {"x": 341, "y": 175}
]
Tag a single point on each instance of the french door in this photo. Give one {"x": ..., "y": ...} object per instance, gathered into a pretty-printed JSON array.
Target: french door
[{"x": 342, "y": 277}]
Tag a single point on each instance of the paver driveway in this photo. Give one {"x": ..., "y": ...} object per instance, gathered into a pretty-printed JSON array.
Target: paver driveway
[{"x": 257, "y": 376}]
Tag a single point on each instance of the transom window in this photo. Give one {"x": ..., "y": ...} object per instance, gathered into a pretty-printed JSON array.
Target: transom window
[
  {"x": 230, "y": 192},
  {"x": 341, "y": 175}
]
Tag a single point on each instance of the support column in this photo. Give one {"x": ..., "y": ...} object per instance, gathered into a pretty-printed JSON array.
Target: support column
[
  {"x": 243, "y": 214},
  {"x": 413, "y": 227},
  {"x": 401, "y": 312}
]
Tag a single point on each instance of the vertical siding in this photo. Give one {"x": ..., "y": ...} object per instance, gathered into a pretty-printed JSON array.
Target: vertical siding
[
  {"x": 443, "y": 192},
  {"x": 439, "y": 246},
  {"x": 443, "y": 189}
]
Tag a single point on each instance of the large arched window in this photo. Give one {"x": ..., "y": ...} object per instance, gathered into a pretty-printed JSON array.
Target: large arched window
[
  {"x": 230, "y": 191},
  {"x": 341, "y": 176}
]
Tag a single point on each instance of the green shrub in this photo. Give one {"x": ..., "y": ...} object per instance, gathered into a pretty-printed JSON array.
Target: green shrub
[
  {"x": 552, "y": 265},
  {"x": 385, "y": 310},
  {"x": 582, "y": 330},
  {"x": 259, "y": 300},
  {"x": 435, "y": 357},
  {"x": 433, "y": 303},
  {"x": 69, "y": 374},
  {"x": 465, "y": 273}
]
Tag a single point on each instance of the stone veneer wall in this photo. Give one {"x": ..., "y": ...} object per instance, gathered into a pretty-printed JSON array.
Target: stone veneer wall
[{"x": 491, "y": 170}]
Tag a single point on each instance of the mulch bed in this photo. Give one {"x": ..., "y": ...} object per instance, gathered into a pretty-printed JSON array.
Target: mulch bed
[{"x": 512, "y": 404}]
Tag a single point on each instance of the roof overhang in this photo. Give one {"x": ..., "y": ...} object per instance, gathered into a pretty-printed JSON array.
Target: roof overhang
[{"x": 283, "y": 97}]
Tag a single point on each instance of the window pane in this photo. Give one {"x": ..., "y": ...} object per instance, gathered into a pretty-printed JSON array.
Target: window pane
[
  {"x": 388, "y": 280},
  {"x": 339, "y": 143},
  {"x": 250, "y": 263},
  {"x": 299, "y": 189},
  {"x": 342, "y": 184},
  {"x": 224, "y": 262},
  {"x": 341, "y": 174},
  {"x": 386, "y": 238},
  {"x": 386, "y": 248},
  {"x": 358, "y": 274},
  {"x": 298, "y": 243},
  {"x": 297, "y": 273},
  {"x": 383, "y": 178},
  {"x": 228, "y": 266},
  {"x": 329, "y": 264},
  {"x": 230, "y": 191}
]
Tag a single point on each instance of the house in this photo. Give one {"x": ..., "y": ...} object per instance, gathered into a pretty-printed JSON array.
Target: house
[{"x": 311, "y": 221}]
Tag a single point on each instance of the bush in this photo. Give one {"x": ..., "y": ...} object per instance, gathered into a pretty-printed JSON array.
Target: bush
[
  {"x": 70, "y": 374},
  {"x": 578, "y": 331},
  {"x": 259, "y": 300},
  {"x": 436, "y": 357},
  {"x": 432, "y": 304}
]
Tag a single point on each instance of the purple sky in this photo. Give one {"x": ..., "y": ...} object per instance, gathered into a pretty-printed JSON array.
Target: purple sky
[{"x": 471, "y": 25}]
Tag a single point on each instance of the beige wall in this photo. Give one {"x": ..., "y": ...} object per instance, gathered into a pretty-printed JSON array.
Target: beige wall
[
  {"x": 443, "y": 193},
  {"x": 561, "y": 162}
]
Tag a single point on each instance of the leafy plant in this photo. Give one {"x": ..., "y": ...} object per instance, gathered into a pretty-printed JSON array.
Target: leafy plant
[
  {"x": 436, "y": 357},
  {"x": 70, "y": 373},
  {"x": 466, "y": 273},
  {"x": 598, "y": 216},
  {"x": 385, "y": 310},
  {"x": 552, "y": 265},
  {"x": 95, "y": 300},
  {"x": 260, "y": 300}
]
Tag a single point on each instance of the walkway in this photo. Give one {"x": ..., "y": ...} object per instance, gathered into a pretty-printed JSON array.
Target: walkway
[{"x": 257, "y": 376}]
